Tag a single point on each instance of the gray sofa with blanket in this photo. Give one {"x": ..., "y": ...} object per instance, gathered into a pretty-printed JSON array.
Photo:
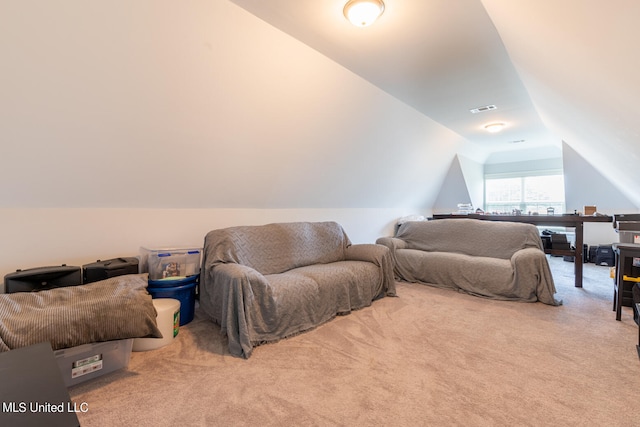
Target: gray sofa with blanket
[
  {"x": 264, "y": 283},
  {"x": 499, "y": 260}
]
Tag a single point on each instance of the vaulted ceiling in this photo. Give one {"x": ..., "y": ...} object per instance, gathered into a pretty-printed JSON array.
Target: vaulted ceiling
[{"x": 556, "y": 70}]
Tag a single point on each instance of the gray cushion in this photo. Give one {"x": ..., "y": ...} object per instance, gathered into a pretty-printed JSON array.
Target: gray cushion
[{"x": 112, "y": 309}]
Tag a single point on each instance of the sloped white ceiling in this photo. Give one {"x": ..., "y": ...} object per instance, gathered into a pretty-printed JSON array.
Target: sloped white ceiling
[
  {"x": 558, "y": 70},
  {"x": 170, "y": 104},
  {"x": 202, "y": 104},
  {"x": 579, "y": 61},
  {"x": 441, "y": 57}
]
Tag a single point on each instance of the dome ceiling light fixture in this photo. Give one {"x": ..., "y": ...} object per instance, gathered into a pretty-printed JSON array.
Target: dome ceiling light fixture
[
  {"x": 494, "y": 127},
  {"x": 363, "y": 13}
]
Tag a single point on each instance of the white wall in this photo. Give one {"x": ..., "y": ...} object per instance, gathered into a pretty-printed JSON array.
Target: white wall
[
  {"x": 126, "y": 124},
  {"x": 584, "y": 185},
  {"x": 453, "y": 190},
  {"x": 55, "y": 236},
  {"x": 473, "y": 172},
  {"x": 579, "y": 62}
]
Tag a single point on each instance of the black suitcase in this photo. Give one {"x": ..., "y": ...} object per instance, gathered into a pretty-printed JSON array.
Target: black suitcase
[
  {"x": 101, "y": 270},
  {"x": 42, "y": 278}
]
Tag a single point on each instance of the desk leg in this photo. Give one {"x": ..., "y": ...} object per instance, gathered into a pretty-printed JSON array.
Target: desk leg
[
  {"x": 577, "y": 259},
  {"x": 619, "y": 285},
  {"x": 615, "y": 281}
]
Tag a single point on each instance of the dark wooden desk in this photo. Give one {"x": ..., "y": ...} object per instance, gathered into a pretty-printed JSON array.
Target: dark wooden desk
[{"x": 575, "y": 221}]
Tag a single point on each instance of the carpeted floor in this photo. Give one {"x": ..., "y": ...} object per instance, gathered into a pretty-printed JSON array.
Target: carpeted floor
[{"x": 428, "y": 357}]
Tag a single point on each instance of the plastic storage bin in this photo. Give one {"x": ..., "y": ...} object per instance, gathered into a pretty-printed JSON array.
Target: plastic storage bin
[
  {"x": 184, "y": 290},
  {"x": 88, "y": 361},
  {"x": 629, "y": 236},
  {"x": 628, "y": 231},
  {"x": 174, "y": 263}
]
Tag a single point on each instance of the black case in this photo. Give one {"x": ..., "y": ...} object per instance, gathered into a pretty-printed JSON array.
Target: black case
[
  {"x": 604, "y": 255},
  {"x": 635, "y": 296},
  {"x": 101, "y": 270},
  {"x": 41, "y": 278},
  {"x": 546, "y": 241}
]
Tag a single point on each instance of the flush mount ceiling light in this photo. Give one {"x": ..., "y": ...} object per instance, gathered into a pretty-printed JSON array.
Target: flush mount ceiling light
[
  {"x": 494, "y": 127},
  {"x": 362, "y": 13}
]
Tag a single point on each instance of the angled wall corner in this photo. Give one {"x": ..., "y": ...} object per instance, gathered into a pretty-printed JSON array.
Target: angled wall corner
[
  {"x": 585, "y": 185},
  {"x": 462, "y": 184},
  {"x": 473, "y": 173}
]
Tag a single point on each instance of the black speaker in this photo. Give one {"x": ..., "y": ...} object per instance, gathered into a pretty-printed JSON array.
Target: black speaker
[
  {"x": 101, "y": 270},
  {"x": 41, "y": 278}
]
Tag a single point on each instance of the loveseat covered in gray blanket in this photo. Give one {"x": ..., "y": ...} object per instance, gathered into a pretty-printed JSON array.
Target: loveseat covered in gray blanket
[
  {"x": 264, "y": 283},
  {"x": 499, "y": 260}
]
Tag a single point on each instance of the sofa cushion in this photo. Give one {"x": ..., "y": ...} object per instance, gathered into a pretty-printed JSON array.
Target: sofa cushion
[
  {"x": 276, "y": 248},
  {"x": 491, "y": 277},
  {"x": 470, "y": 237},
  {"x": 305, "y": 297}
]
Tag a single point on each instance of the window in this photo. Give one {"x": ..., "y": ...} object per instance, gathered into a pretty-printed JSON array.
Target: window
[{"x": 529, "y": 194}]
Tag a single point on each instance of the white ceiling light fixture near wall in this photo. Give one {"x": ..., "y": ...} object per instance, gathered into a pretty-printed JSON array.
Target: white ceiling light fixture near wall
[
  {"x": 494, "y": 127},
  {"x": 363, "y": 13}
]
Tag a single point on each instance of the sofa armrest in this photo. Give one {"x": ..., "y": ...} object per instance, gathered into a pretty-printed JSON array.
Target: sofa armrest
[
  {"x": 236, "y": 271},
  {"x": 532, "y": 263},
  {"x": 392, "y": 243},
  {"x": 365, "y": 252},
  {"x": 234, "y": 296},
  {"x": 378, "y": 255}
]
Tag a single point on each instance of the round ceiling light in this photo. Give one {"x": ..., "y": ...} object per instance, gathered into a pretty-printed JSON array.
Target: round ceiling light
[
  {"x": 363, "y": 12},
  {"x": 494, "y": 127}
]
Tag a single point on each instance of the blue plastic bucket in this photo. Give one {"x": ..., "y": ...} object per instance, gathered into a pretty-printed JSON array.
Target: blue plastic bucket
[{"x": 183, "y": 290}]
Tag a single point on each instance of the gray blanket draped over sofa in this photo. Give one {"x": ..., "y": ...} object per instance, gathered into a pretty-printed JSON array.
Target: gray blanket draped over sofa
[
  {"x": 264, "y": 283},
  {"x": 499, "y": 260}
]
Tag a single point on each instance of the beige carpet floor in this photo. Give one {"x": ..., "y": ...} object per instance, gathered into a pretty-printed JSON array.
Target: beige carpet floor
[{"x": 430, "y": 357}]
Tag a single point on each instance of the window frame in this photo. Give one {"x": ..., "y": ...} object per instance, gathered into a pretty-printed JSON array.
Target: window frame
[{"x": 522, "y": 175}]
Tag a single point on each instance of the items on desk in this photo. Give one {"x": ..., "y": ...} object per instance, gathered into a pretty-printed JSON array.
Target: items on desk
[{"x": 465, "y": 208}]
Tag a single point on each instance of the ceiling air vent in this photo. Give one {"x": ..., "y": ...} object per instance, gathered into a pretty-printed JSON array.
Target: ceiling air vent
[{"x": 483, "y": 109}]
